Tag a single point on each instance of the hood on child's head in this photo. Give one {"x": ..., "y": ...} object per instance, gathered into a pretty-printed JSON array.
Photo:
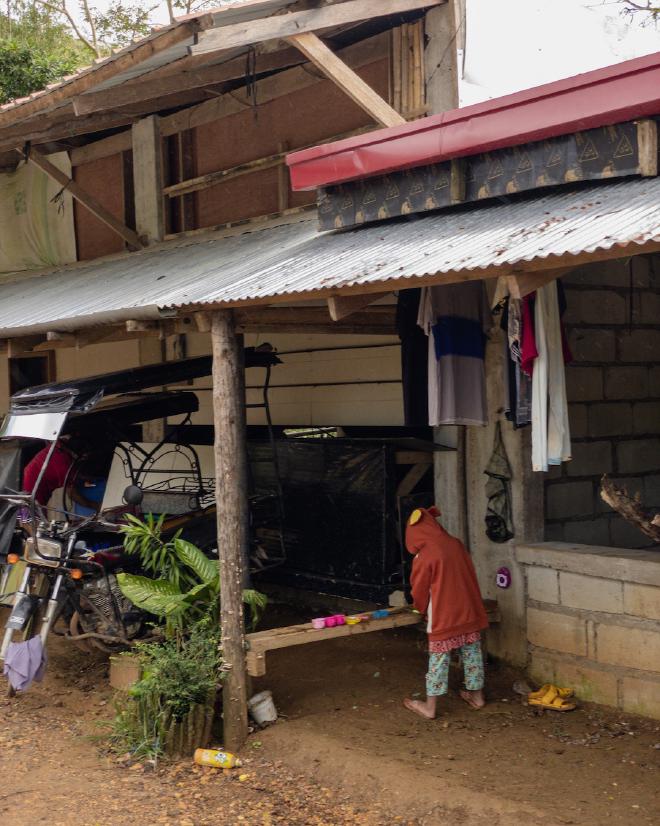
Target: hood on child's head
[{"x": 422, "y": 528}]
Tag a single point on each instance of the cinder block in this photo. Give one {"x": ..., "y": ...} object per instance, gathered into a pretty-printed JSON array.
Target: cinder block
[
  {"x": 624, "y": 534},
  {"x": 638, "y": 456},
  {"x": 642, "y": 601},
  {"x": 557, "y": 631},
  {"x": 541, "y": 668},
  {"x": 593, "y": 345},
  {"x": 641, "y": 697},
  {"x": 603, "y": 274},
  {"x": 626, "y": 383},
  {"x": 646, "y": 417},
  {"x": 652, "y": 491},
  {"x": 566, "y": 499},
  {"x": 543, "y": 584},
  {"x": 639, "y": 345},
  {"x": 591, "y": 593},
  {"x": 590, "y": 459},
  {"x": 553, "y": 532},
  {"x": 592, "y": 306},
  {"x": 587, "y": 531},
  {"x": 584, "y": 384},
  {"x": 628, "y": 646},
  {"x": 591, "y": 684},
  {"x": 610, "y": 419},
  {"x": 649, "y": 308},
  {"x": 654, "y": 382},
  {"x": 578, "y": 420}
]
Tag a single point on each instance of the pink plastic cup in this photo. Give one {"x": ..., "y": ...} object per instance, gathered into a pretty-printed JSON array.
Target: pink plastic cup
[
  {"x": 339, "y": 619},
  {"x": 318, "y": 623},
  {"x": 330, "y": 622}
]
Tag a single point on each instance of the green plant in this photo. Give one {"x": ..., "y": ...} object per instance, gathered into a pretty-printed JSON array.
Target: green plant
[
  {"x": 178, "y": 675},
  {"x": 188, "y": 583}
]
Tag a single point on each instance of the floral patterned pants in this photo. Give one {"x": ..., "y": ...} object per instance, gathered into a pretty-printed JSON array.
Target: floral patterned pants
[{"x": 437, "y": 677}]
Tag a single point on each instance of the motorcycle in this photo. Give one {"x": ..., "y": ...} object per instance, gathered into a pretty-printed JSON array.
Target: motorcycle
[{"x": 62, "y": 563}]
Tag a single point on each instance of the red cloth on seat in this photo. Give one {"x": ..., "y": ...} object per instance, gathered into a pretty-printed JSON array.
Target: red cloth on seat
[
  {"x": 54, "y": 476},
  {"x": 444, "y": 582}
]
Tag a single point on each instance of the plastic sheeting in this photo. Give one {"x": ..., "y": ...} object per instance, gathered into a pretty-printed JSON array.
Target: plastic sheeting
[{"x": 36, "y": 219}]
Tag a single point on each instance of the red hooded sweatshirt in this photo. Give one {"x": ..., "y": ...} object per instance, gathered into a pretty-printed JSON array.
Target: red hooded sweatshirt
[{"x": 444, "y": 582}]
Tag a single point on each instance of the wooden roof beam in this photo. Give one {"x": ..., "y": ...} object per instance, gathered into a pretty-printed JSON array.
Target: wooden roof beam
[
  {"x": 342, "y": 306},
  {"x": 283, "y": 26},
  {"x": 76, "y": 191},
  {"x": 348, "y": 81},
  {"x": 182, "y": 75}
]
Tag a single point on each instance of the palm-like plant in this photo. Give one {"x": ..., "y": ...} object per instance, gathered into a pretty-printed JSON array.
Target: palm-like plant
[{"x": 188, "y": 583}]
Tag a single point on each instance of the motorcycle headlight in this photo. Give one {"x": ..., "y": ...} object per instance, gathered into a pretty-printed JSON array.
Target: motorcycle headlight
[{"x": 47, "y": 547}]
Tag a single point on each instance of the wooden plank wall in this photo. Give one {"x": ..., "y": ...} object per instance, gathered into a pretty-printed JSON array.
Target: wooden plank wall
[{"x": 307, "y": 116}]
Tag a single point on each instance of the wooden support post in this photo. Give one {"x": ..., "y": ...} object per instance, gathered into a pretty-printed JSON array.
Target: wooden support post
[
  {"x": 148, "y": 179},
  {"x": 232, "y": 514},
  {"x": 35, "y": 157},
  {"x": 351, "y": 83}
]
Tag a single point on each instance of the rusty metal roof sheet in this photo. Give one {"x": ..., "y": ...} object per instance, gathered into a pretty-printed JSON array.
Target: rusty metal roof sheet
[{"x": 292, "y": 262}]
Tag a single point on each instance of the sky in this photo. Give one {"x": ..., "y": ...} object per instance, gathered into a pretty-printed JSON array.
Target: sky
[{"x": 516, "y": 44}]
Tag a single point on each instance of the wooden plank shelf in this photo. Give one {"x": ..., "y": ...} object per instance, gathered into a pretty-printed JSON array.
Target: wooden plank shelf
[{"x": 260, "y": 642}]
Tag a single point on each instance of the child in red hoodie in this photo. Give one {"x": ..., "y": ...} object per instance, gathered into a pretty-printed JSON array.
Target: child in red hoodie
[{"x": 445, "y": 588}]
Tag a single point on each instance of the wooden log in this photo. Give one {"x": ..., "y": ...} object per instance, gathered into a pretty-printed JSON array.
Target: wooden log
[
  {"x": 647, "y": 139},
  {"x": 232, "y": 514},
  {"x": 348, "y": 81},
  {"x": 631, "y": 508}
]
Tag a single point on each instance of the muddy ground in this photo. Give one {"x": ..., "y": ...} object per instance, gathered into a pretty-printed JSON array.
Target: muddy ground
[{"x": 344, "y": 752}]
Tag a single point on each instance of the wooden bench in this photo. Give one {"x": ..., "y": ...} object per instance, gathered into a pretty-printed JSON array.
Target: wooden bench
[{"x": 260, "y": 642}]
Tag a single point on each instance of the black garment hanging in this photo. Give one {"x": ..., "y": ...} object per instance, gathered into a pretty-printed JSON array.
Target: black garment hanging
[{"x": 414, "y": 359}]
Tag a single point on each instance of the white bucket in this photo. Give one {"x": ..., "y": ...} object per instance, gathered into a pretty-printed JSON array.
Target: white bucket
[{"x": 262, "y": 708}]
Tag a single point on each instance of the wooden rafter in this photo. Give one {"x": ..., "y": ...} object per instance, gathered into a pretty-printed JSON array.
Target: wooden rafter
[
  {"x": 180, "y": 76},
  {"x": 64, "y": 125},
  {"x": 341, "y": 307},
  {"x": 348, "y": 81},
  {"x": 76, "y": 191},
  {"x": 285, "y": 25}
]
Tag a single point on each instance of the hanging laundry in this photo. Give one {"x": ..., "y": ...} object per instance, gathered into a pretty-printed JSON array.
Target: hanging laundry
[
  {"x": 456, "y": 319},
  {"x": 24, "y": 663},
  {"x": 551, "y": 440},
  {"x": 499, "y": 521},
  {"x": 517, "y": 384},
  {"x": 414, "y": 359}
]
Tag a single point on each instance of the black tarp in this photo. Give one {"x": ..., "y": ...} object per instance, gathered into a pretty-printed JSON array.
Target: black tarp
[{"x": 83, "y": 394}]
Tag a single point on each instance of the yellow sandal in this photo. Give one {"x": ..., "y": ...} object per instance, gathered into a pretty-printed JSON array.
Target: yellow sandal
[
  {"x": 551, "y": 700},
  {"x": 564, "y": 693}
]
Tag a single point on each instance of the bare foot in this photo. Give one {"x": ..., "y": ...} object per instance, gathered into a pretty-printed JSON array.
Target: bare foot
[
  {"x": 419, "y": 707},
  {"x": 475, "y": 699}
]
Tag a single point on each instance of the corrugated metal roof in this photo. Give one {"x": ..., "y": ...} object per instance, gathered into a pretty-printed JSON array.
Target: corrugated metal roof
[{"x": 294, "y": 262}]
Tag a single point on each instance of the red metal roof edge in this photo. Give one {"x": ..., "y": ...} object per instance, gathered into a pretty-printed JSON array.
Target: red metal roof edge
[{"x": 613, "y": 94}]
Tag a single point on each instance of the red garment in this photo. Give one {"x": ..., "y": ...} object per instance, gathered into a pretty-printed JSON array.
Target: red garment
[
  {"x": 54, "y": 476},
  {"x": 444, "y": 582},
  {"x": 529, "y": 353}
]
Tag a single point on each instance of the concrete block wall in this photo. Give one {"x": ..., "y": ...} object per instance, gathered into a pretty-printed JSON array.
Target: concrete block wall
[
  {"x": 593, "y": 622},
  {"x": 613, "y": 325}
]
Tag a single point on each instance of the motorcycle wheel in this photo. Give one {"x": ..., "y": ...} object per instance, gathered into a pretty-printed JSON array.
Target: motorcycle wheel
[{"x": 91, "y": 644}]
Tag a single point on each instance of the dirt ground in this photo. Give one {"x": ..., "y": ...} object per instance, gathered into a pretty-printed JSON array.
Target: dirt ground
[{"x": 344, "y": 752}]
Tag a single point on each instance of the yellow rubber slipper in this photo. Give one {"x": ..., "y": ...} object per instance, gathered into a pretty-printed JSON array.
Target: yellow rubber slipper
[
  {"x": 551, "y": 700},
  {"x": 540, "y": 692}
]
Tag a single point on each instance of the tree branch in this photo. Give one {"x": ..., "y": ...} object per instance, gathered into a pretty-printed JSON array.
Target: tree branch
[{"x": 62, "y": 9}]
